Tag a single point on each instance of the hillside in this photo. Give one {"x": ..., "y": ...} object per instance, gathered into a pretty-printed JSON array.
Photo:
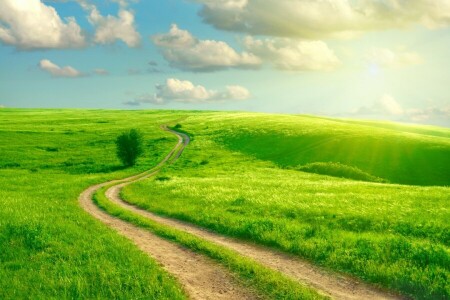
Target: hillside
[
  {"x": 418, "y": 155},
  {"x": 238, "y": 177}
]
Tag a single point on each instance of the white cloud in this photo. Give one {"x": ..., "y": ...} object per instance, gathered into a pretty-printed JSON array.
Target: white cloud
[
  {"x": 431, "y": 113},
  {"x": 110, "y": 28},
  {"x": 186, "y": 92},
  {"x": 386, "y": 58},
  {"x": 388, "y": 107},
  {"x": 325, "y": 18},
  {"x": 295, "y": 55},
  {"x": 30, "y": 24},
  {"x": 57, "y": 71},
  {"x": 184, "y": 51}
]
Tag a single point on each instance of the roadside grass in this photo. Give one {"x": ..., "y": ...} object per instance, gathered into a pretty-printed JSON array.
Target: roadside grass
[
  {"x": 49, "y": 247},
  {"x": 395, "y": 236},
  {"x": 264, "y": 281}
]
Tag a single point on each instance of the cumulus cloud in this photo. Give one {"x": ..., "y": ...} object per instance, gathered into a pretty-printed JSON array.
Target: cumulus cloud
[
  {"x": 294, "y": 55},
  {"x": 33, "y": 25},
  {"x": 182, "y": 50},
  {"x": 111, "y": 28},
  {"x": 386, "y": 58},
  {"x": 325, "y": 18},
  {"x": 57, "y": 71},
  {"x": 387, "y": 106},
  {"x": 186, "y": 92}
]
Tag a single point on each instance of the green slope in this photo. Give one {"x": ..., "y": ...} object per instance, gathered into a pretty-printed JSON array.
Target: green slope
[
  {"x": 398, "y": 153},
  {"x": 396, "y": 236}
]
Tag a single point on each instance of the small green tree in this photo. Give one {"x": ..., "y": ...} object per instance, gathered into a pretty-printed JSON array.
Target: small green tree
[{"x": 129, "y": 146}]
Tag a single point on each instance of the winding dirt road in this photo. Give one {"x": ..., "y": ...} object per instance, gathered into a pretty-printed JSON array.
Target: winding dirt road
[{"x": 202, "y": 278}]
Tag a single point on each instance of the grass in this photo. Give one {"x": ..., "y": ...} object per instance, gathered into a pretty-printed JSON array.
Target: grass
[
  {"x": 395, "y": 236},
  {"x": 338, "y": 170},
  {"x": 49, "y": 247},
  {"x": 266, "y": 282},
  {"x": 401, "y": 155},
  {"x": 237, "y": 178}
]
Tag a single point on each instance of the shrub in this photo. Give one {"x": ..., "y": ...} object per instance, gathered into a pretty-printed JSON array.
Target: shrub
[
  {"x": 129, "y": 146},
  {"x": 339, "y": 170}
]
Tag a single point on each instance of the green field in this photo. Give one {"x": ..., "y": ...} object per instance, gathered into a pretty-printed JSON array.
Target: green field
[
  {"x": 239, "y": 177},
  {"x": 242, "y": 175},
  {"x": 51, "y": 248}
]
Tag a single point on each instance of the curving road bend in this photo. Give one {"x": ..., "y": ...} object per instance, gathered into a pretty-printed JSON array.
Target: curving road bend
[
  {"x": 336, "y": 286},
  {"x": 201, "y": 277}
]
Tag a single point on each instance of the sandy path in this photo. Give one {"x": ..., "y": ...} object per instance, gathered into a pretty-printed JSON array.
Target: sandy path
[
  {"x": 200, "y": 277},
  {"x": 334, "y": 285}
]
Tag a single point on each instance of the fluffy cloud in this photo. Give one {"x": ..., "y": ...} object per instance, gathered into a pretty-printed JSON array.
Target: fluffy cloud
[
  {"x": 387, "y": 58},
  {"x": 295, "y": 55},
  {"x": 109, "y": 29},
  {"x": 57, "y": 71},
  {"x": 186, "y": 92},
  {"x": 33, "y": 25},
  {"x": 184, "y": 51},
  {"x": 325, "y": 18},
  {"x": 387, "y": 106}
]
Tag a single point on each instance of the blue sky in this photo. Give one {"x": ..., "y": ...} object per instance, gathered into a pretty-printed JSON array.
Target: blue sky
[{"x": 336, "y": 57}]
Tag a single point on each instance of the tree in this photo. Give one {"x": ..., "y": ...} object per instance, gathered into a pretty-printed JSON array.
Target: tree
[{"x": 129, "y": 146}]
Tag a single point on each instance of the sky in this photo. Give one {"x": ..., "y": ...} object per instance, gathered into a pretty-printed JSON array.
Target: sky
[{"x": 369, "y": 59}]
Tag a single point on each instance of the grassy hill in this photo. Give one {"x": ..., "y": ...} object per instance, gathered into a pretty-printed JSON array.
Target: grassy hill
[
  {"x": 418, "y": 155},
  {"x": 238, "y": 177},
  {"x": 252, "y": 176}
]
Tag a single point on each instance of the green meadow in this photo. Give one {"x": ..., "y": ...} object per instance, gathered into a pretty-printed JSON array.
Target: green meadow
[
  {"x": 370, "y": 199},
  {"x": 242, "y": 176},
  {"x": 49, "y": 247}
]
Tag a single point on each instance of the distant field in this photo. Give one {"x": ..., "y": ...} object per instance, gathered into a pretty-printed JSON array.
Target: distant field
[
  {"x": 49, "y": 247},
  {"x": 418, "y": 155},
  {"x": 238, "y": 177}
]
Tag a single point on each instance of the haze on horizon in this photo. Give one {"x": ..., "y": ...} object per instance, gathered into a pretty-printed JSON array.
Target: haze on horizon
[{"x": 367, "y": 59}]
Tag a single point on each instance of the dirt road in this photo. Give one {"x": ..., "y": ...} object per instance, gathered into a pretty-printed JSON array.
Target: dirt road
[
  {"x": 201, "y": 277},
  {"x": 335, "y": 285}
]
